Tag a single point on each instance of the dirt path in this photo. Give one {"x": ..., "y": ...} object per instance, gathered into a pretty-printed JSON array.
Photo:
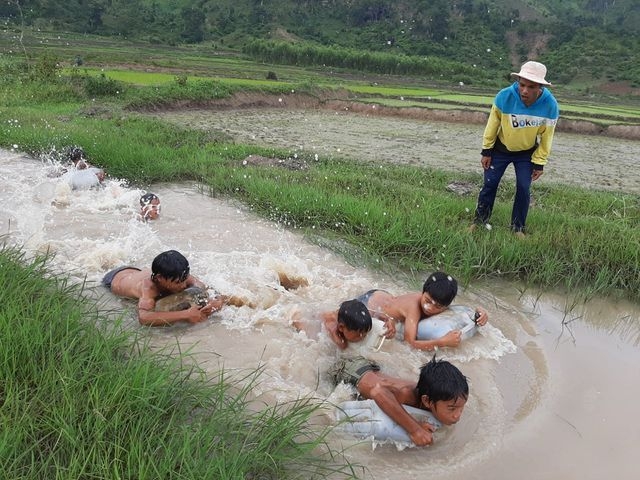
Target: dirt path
[{"x": 593, "y": 161}]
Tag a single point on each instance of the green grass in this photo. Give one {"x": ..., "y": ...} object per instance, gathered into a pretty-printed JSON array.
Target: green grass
[
  {"x": 379, "y": 94},
  {"x": 82, "y": 398},
  {"x": 141, "y": 78}
]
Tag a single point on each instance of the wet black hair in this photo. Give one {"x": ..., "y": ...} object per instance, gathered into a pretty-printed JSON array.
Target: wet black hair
[
  {"x": 442, "y": 288},
  {"x": 354, "y": 315},
  {"x": 172, "y": 265},
  {"x": 147, "y": 198},
  {"x": 76, "y": 154},
  {"x": 440, "y": 380}
]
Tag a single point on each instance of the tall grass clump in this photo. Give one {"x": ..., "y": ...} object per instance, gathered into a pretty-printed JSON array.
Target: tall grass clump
[
  {"x": 177, "y": 91},
  {"x": 83, "y": 399}
]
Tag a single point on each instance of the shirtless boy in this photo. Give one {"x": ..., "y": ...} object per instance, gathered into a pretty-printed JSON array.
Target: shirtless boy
[
  {"x": 438, "y": 292},
  {"x": 441, "y": 389},
  {"x": 169, "y": 274},
  {"x": 350, "y": 323}
]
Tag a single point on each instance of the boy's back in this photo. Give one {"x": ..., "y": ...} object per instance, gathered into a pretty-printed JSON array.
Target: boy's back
[
  {"x": 132, "y": 283},
  {"x": 386, "y": 307}
]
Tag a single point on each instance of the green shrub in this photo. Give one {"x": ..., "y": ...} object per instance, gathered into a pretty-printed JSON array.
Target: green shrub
[{"x": 101, "y": 86}]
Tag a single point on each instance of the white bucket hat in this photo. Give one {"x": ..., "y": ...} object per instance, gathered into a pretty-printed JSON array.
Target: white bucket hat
[{"x": 534, "y": 71}]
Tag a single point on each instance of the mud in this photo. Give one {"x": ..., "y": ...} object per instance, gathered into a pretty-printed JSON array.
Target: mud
[
  {"x": 339, "y": 101},
  {"x": 448, "y": 140}
]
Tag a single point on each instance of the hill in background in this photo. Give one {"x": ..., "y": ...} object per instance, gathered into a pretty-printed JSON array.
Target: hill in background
[{"x": 590, "y": 44}]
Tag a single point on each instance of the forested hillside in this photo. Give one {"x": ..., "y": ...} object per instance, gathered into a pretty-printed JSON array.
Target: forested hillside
[{"x": 582, "y": 41}]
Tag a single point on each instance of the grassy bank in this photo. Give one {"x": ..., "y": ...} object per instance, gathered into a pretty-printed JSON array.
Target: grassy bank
[{"x": 78, "y": 400}]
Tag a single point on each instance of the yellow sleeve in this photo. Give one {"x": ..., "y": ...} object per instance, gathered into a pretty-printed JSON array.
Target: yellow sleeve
[
  {"x": 492, "y": 128},
  {"x": 541, "y": 154}
]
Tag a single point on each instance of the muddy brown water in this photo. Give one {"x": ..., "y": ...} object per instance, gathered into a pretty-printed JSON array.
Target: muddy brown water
[{"x": 553, "y": 385}]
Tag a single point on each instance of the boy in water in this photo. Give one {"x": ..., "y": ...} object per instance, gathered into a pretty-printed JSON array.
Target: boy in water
[
  {"x": 169, "y": 274},
  {"x": 438, "y": 292},
  {"x": 350, "y": 323},
  {"x": 149, "y": 206},
  {"x": 441, "y": 389},
  {"x": 76, "y": 155},
  {"x": 86, "y": 175}
]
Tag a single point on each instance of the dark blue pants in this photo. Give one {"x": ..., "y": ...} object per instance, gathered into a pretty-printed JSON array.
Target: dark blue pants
[{"x": 493, "y": 175}]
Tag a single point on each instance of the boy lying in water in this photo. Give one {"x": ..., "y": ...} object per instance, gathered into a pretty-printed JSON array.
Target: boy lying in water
[
  {"x": 350, "y": 323},
  {"x": 441, "y": 389},
  {"x": 169, "y": 274},
  {"x": 438, "y": 292}
]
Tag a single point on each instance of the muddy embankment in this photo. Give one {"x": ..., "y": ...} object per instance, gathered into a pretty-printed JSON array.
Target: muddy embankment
[{"x": 340, "y": 101}]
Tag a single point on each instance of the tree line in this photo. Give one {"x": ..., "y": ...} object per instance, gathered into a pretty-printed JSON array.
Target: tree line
[{"x": 488, "y": 34}]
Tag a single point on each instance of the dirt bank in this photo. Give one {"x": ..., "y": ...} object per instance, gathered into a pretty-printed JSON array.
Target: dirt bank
[
  {"x": 445, "y": 140},
  {"x": 339, "y": 101}
]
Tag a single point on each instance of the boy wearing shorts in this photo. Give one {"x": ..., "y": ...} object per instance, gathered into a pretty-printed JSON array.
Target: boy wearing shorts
[{"x": 169, "y": 274}]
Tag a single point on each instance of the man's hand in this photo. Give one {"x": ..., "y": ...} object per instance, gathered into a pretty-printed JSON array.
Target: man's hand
[
  {"x": 536, "y": 174},
  {"x": 485, "y": 162}
]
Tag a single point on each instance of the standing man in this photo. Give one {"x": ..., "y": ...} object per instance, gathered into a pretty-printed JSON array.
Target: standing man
[{"x": 519, "y": 131}]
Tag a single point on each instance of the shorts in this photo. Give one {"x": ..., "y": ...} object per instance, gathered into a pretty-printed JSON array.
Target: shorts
[
  {"x": 108, "y": 278},
  {"x": 364, "y": 298},
  {"x": 351, "y": 369}
]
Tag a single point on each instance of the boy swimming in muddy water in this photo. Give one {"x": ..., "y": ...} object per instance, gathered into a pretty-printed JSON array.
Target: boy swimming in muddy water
[
  {"x": 350, "y": 323},
  {"x": 169, "y": 274},
  {"x": 149, "y": 206},
  {"x": 79, "y": 173},
  {"x": 438, "y": 292},
  {"x": 83, "y": 175},
  {"x": 441, "y": 389}
]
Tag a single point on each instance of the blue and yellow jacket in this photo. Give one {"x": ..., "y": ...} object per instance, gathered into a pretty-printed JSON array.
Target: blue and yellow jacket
[{"x": 514, "y": 127}]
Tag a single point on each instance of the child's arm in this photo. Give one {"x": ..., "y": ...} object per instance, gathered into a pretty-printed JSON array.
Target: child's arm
[
  {"x": 451, "y": 339},
  {"x": 148, "y": 316},
  {"x": 151, "y": 318},
  {"x": 214, "y": 304},
  {"x": 371, "y": 387}
]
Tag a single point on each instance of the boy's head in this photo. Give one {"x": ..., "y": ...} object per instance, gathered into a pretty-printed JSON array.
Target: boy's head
[
  {"x": 443, "y": 390},
  {"x": 438, "y": 292},
  {"x": 76, "y": 155},
  {"x": 354, "y": 320},
  {"x": 149, "y": 206},
  {"x": 170, "y": 267}
]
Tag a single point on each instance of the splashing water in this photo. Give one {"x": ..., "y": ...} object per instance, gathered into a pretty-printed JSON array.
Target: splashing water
[{"x": 92, "y": 231}]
